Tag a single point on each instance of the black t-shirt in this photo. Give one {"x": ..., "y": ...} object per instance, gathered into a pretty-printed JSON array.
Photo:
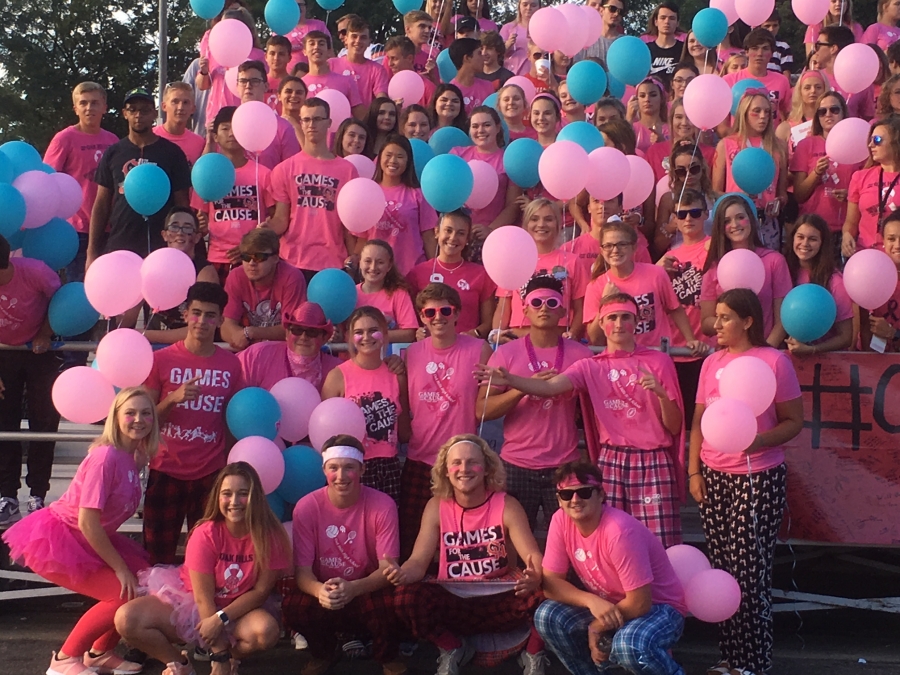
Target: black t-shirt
[
  {"x": 663, "y": 61},
  {"x": 501, "y": 76},
  {"x": 129, "y": 230}
]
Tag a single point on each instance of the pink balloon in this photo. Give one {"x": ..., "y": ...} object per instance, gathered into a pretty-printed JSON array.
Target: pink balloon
[
  {"x": 297, "y": 399},
  {"x": 547, "y": 29},
  {"x": 360, "y": 204},
  {"x": 166, "y": 276},
  {"x": 729, "y": 426},
  {"x": 509, "y": 256},
  {"x": 662, "y": 187},
  {"x": 231, "y": 78},
  {"x": 526, "y": 85},
  {"x": 848, "y": 141},
  {"x": 687, "y": 561},
  {"x": 406, "y": 85},
  {"x": 113, "y": 282},
  {"x": 230, "y": 42},
  {"x": 609, "y": 173},
  {"x": 70, "y": 195},
  {"x": 727, "y": 8},
  {"x": 577, "y": 29},
  {"x": 751, "y": 380},
  {"x": 82, "y": 395},
  {"x": 264, "y": 456},
  {"x": 713, "y": 596},
  {"x": 254, "y": 125},
  {"x": 870, "y": 278},
  {"x": 125, "y": 357},
  {"x": 707, "y": 101},
  {"x": 563, "y": 169},
  {"x": 336, "y": 416},
  {"x": 340, "y": 106},
  {"x": 594, "y": 24},
  {"x": 41, "y": 197},
  {"x": 486, "y": 182},
  {"x": 754, "y": 12},
  {"x": 365, "y": 167},
  {"x": 810, "y": 12},
  {"x": 741, "y": 268},
  {"x": 641, "y": 182},
  {"x": 856, "y": 67}
]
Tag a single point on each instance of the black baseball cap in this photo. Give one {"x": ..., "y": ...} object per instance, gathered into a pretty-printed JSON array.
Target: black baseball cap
[
  {"x": 466, "y": 24},
  {"x": 138, "y": 93}
]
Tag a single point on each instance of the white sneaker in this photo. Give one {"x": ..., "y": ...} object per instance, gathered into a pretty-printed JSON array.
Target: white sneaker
[
  {"x": 9, "y": 510},
  {"x": 449, "y": 662},
  {"x": 533, "y": 664},
  {"x": 300, "y": 642}
]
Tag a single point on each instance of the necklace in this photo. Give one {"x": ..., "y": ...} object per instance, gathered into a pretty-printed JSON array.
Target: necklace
[
  {"x": 449, "y": 269},
  {"x": 536, "y": 364}
]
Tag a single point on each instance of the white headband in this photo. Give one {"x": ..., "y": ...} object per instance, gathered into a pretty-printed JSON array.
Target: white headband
[{"x": 342, "y": 452}]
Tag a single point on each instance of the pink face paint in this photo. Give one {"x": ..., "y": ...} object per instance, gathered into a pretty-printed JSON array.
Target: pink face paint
[
  {"x": 378, "y": 335},
  {"x": 357, "y": 338}
]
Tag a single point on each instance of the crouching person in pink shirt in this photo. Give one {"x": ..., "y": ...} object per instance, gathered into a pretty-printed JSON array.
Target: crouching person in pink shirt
[{"x": 631, "y": 611}]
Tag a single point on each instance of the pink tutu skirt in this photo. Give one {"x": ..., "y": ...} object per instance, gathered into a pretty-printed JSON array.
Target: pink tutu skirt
[
  {"x": 164, "y": 582},
  {"x": 47, "y": 545}
]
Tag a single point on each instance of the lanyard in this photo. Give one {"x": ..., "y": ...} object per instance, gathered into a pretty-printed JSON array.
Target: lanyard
[
  {"x": 883, "y": 195},
  {"x": 532, "y": 356}
]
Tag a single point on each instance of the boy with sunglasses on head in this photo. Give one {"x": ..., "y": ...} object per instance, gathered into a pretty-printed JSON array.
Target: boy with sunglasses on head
[
  {"x": 612, "y": 12},
  {"x": 259, "y": 290}
]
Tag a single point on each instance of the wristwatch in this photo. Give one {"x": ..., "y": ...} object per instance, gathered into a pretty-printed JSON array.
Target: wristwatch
[{"x": 223, "y": 617}]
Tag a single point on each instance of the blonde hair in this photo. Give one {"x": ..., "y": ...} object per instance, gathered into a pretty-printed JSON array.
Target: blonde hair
[
  {"x": 725, "y": 66},
  {"x": 797, "y": 97},
  {"x": 85, "y": 88},
  {"x": 112, "y": 433},
  {"x": 770, "y": 142},
  {"x": 178, "y": 85},
  {"x": 494, "y": 472},
  {"x": 535, "y": 205}
]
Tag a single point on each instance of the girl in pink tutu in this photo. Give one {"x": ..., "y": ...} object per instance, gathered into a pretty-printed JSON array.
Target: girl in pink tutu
[
  {"x": 74, "y": 543},
  {"x": 221, "y": 598}
]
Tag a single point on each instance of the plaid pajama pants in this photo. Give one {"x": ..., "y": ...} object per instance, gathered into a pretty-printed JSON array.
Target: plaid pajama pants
[
  {"x": 383, "y": 474},
  {"x": 415, "y": 491},
  {"x": 534, "y": 488},
  {"x": 642, "y": 483},
  {"x": 641, "y": 646},
  {"x": 167, "y": 502}
]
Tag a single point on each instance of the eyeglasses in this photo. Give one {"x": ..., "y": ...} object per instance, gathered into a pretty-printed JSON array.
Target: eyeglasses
[
  {"x": 297, "y": 331},
  {"x": 566, "y": 494},
  {"x": 250, "y": 81},
  {"x": 819, "y": 45},
  {"x": 618, "y": 246},
  {"x": 309, "y": 121},
  {"x": 877, "y": 140},
  {"x": 614, "y": 9},
  {"x": 431, "y": 312},
  {"x": 256, "y": 257},
  {"x": 683, "y": 171},
  {"x": 683, "y": 80},
  {"x": 833, "y": 109},
  {"x": 682, "y": 214},
  {"x": 181, "y": 229},
  {"x": 537, "y": 303}
]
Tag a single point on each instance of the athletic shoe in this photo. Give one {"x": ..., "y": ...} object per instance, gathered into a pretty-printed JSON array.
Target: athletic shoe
[
  {"x": 201, "y": 654},
  {"x": 299, "y": 641},
  {"x": 533, "y": 664},
  {"x": 35, "y": 504},
  {"x": 449, "y": 662},
  {"x": 111, "y": 663},
  {"x": 70, "y": 666},
  {"x": 178, "y": 668},
  {"x": 9, "y": 510}
]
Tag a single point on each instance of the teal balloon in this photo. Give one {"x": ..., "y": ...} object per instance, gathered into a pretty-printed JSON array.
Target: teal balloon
[
  {"x": 147, "y": 189},
  {"x": 492, "y": 101},
  {"x": 69, "y": 312},
  {"x": 253, "y": 411},
  {"x": 737, "y": 91},
  {"x": 404, "y": 6},
  {"x": 586, "y": 81},
  {"x": 56, "y": 243},
  {"x": 15, "y": 239},
  {"x": 710, "y": 27},
  {"x": 212, "y": 176},
  {"x": 584, "y": 133},
  {"x": 753, "y": 169},
  {"x": 12, "y": 214},
  {"x": 23, "y": 157},
  {"x": 6, "y": 169},
  {"x": 279, "y": 506},
  {"x": 334, "y": 291},
  {"x": 520, "y": 161},
  {"x": 808, "y": 312},
  {"x": 207, "y": 9},
  {"x": 282, "y": 15},
  {"x": 302, "y": 473},
  {"x": 614, "y": 87},
  {"x": 422, "y": 154},
  {"x": 445, "y": 139},
  {"x": 447, "y": 182},
  {"x": 329, "y": 5},
  {"x": 628, "y": 60},
  {"x": 446, "y": 69}
]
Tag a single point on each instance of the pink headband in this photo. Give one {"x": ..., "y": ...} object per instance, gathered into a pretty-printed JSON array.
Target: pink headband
[
  {"x": 611, "y": 307},
  {"x": 656, "y": 81},
  {"x": 550, "y": 97},
  {"x": 756, "y": 91},
  {"x": 572, "y": 479}
]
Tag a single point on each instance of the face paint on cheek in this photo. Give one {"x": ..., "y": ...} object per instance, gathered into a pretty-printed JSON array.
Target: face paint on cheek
[
  {"x": 358, "y": 338},
  {"x": 378, "y": 335}
]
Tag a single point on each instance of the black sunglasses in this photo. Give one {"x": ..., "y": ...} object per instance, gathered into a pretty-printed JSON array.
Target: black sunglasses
[
  {"x": 566, "y": 494},
  {"x": 682, "y": 214},
  {"x": 539, "y": 55},
  {"x": 822, "y": 44},
  {"x": 431, "y": 312},
  {"x": 256, "y": 257},
  {"x": 682, "y": 171},
  {"x": 833, "y": 109},
  {"x": 297, "y": 331},
  {"x": 614, "y": 9}
]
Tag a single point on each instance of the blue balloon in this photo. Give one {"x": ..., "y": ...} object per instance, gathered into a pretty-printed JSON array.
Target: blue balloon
[
  {"x": 335, "y": 292},
  {"x": 15, "y": 239},
  {"x": 492, "y": 101},
  {"x": 584, "y": 133},
  {"x": 808, "y": 312},
  {"x": 329, "y": 5},
  {"x": 614, "y": 87},
  {"x": 282, "y": 16},
  {"x": 710, "y": 27},
  {"x": 628, "y": 60},
  {"x": 253, "y": 411},
  {"x": 23, "y": 157},
  {"x": 404, "y": 6},
  {"x": 750, "y": 205},
  {"x": 422, "y": 154},
  {"x": 520, "y": 161},
  {"x": 753, "y": 169},
  {"x": 56, "y": 243},
  {"x": 6, "y": 169},
  {"x": 446, "y": 138},
  {"x": 447, "y": 182},
  {"x": 587, "y": 82},
  {"x": 147, "y": 188},
  {"x": 70, "y": 312},
  {"x": 738, "y": 90},
  {"x": 302, "y": 473},
  {"x": 446, "y": 69},
  {"x": 12, "y": 215},
  {"x": 207, "y": 9},
  {"x": 279, "y": 507},
  {"x": 213, "y": 174}
]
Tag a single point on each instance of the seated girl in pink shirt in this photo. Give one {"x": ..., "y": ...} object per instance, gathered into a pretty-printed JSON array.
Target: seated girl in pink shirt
[
  {"x": 385, "y": 288},
  {"x": 221, "y": 598},
  {"x": 75, "y": 544}
]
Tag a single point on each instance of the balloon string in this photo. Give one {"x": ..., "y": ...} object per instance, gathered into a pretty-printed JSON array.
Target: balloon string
[
  {"x": 259, "y": 201},
  {"x": 434, "y": 32},
  {"x": 487, "y": 389},
  {"x": 684, "y": 185}
]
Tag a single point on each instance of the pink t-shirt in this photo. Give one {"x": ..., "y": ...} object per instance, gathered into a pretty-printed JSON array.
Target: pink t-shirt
[
  {"x": 778, "y": 86},
  {"x": 645, "y": 136},
  {"x": 474, "y": 95},
  {"x": 211, "y": 549},
  {"x": 776, "y": 286},
  {"x": 621, "y": 555},
  {"x": 442, "y": 393},
  {"x": 254, "y": 305},
  {"x": 881, "y": 35},
  {"x": 539, "y": 433},
  {"x": 864, "y": 192},
  {"x": 473, "y": 541},
  {"x": 651, "y": 289},
  {"x": 314, "y": 239},
  {"x": 370, "y": 77},
  {"x": 377, "y": 393},
  {"x": 266, "y": 363},
  {"x": 271, "y": 99},
  {"x": 861, "y": 104},
  {"x": 282, "y": 148},
  {"x": 469, "y": 279},
  {"x": 658, "y": 154},
  {"x": 194, "y": 435},
  {"x": 561, "y": 265},
  {"x": 807, "y": 153},
  {"x": 687, "y": 283},
  {"x": 107, "y": 479},
  {"x": 345, "y": 543},
  {"x": 406, "y": 216},
  {"x": 488, "y": 214},
  {"x": 191, "y": 144},
  {"x": 527, "y": 132},
  {"x": 517, "y": 59},
  {"x": 787, "y": 389},
  {"x": 25, "y": 299},
  {"x": 342, "y": 83},
  {"x": 626, "y": 413},
  {"x": 78, "y": 154},
  {"x": 397, "y": 307}
]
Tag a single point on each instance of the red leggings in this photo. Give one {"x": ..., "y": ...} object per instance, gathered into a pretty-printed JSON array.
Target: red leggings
[{"x": 95, "y": 629}]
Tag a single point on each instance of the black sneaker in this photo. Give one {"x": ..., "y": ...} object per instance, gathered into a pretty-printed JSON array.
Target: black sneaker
[
  {"x": 136, "y": 656},
  {"x": 201, "y": 654},
  {"x": 9, "y": 511}
]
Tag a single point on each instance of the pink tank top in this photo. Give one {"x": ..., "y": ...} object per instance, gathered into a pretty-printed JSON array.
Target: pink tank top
[
  {"x": 732, "y": 148},
  {"x": 377, "y": 393},
  {"x": 473, "y": 544}
]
